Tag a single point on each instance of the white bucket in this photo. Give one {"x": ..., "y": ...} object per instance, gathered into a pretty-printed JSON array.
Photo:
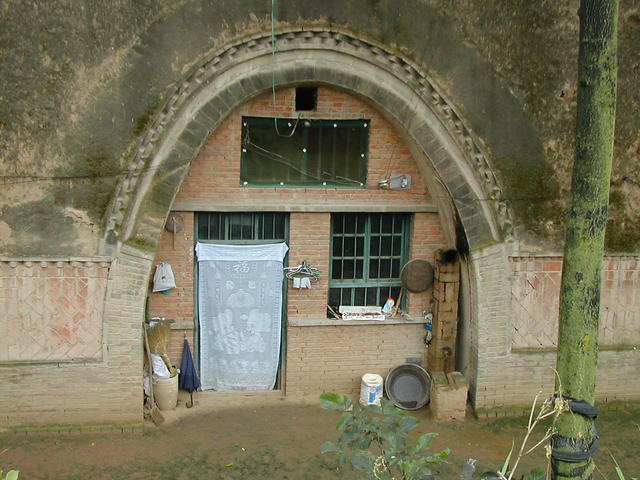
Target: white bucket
[{"x": 371, "y": 389}]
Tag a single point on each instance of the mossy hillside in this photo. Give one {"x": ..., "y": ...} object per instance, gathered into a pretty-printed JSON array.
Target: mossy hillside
[{"x": 83, "y": 82}]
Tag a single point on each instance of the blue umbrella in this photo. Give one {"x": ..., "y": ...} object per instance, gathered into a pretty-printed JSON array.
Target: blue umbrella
[{"x": 188, "y": 380}]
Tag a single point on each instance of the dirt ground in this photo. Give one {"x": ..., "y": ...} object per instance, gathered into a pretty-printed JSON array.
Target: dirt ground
[{"x": 279, "y": 441}]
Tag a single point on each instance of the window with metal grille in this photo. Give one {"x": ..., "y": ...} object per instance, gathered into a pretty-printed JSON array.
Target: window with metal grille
[
  {"x": 242, "y": 227},
  {"x": 302, "y": 152},
  {"x": 367, "y": 252}
]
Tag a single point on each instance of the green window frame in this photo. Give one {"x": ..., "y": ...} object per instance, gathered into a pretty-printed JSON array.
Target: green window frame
[
  {"x": 304, "y": 153},
  {"x": 242, "y": 227},
  {"x": 368, "y": 251}
]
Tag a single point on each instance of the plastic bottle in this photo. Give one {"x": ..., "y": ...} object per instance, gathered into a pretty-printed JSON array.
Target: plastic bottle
[{"x": 388, "y": 305}]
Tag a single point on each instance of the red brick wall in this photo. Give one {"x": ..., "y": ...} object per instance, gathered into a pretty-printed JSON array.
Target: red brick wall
[
  {"x": 426, "y": 240},
  {"x": 215, "y": 174},
  {"x": 309, "y": 241},
  {"x": 334, "y": 358},
  {"x": 214, "y": 178}
]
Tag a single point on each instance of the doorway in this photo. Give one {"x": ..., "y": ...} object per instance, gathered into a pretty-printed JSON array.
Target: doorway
[{"x": 241, "y": 330}]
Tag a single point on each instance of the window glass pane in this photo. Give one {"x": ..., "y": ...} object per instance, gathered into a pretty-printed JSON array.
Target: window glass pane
[
  {"x": 359, "y": 265},
  {"x": 334, "y": 298},
  {"x": 374, "y": 248},
  {"x": 394, "y": 292},
  {"x": 361, "y": 221},
  {"x": 337, "y": 246},
  {"x": 280, "y": 227},
  {"x": 326, "y": 142},
  {"x": 385, "y": 246},
  {"x": 348, "y": 269},
  {"x": 374, "y": 267},
  {"x": 203, "y": 226},
  {"x": 247, "y": 226},
  {"x": 395, "y": 268},
  {"x": 216, "y": 228},
  {"x": 352, "y": 149},
  {"x": 315, "y": 154},
  {"x": 272, "y": 155},
  {"x": 375, "y": 223},
  {"x": 345, "y": 296},
  {"x": 349, "y": 246},
  {"x": 359, "y": 296},
  {"x": 385, "y": 268},
  {"x": 349, "y": 224},
  {"x": 387, "y": 222},
  {"x": 360, "y": 246},
  {"x": 338, "y": 223},
  {"x": 398, "y": 224},
  {"x": 397, "y": 245},
  {"x": 235, "y": 230},
  {"x": 336, "y": 269},
  {"x": 303, "y": 153},
  {"x": 372, "y": 296}
]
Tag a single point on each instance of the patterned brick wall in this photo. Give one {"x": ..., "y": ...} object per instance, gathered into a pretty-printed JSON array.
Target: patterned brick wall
[
  {"x": 513, "y": 373},
  {"x": 53, "y": 310},
  {"x": 105, "y": 390},
  {"x": 535, "y": 291}
]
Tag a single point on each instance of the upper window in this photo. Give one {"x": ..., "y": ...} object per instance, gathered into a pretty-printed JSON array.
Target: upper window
[
  {"x": 367, "y": 254},
  {"x": 242, "y": 227},
  {"x": 300, "y": 152}
]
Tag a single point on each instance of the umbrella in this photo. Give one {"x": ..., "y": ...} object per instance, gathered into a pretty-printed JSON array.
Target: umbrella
[{"x": 188, "y": 380}]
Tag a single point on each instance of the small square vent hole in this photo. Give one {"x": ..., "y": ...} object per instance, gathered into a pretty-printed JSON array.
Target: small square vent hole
[{"x": 306, "y": 98}]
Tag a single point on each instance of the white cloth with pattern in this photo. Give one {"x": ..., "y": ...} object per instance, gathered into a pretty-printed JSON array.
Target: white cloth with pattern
[{"x": 240, "y": 315}]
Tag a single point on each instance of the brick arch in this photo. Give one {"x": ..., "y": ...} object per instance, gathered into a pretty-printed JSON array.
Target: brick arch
[
  {"x": 437, "y": 134},
  {"x": 461, "y": 175}
]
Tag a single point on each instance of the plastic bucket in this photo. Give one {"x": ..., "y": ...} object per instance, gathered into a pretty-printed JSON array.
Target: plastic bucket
[
  {"x": 165, "y": 392},
  {"x": 371, "y": 389}
]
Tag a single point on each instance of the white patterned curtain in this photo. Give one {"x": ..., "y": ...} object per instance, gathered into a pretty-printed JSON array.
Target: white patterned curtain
[{"x": 239, "y": 312}]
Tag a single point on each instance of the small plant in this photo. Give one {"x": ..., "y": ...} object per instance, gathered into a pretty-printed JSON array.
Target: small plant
[
  {"x": 619, "y": 472},
  {"x": 11, "y": 475},
  {"x": 374, "y": 441}
]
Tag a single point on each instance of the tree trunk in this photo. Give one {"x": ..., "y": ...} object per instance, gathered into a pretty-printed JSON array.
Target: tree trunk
[{"x": 584, "y": 247}]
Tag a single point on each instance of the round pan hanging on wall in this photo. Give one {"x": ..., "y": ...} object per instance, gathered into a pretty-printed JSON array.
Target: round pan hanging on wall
[{"x": 417, "y": 275}]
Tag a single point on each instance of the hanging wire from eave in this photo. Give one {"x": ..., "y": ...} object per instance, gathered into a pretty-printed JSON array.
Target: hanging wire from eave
[
  {"x": 274, "y": 49},
  {"x": 273, "y": 57}
]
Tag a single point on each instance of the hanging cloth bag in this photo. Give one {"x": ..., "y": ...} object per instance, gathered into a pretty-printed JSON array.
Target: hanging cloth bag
[{"x": 163, "y": 280}]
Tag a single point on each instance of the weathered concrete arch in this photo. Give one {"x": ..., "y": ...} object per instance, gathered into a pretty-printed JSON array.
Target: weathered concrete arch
[
  {"x": 439, "y": 137},
  {"x": 461, "y": 177}
]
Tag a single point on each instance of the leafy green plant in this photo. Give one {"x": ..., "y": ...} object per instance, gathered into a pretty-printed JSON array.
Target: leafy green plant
[
  {"x": 11, "y": 475},
  {"x": 374, "y": 441}
]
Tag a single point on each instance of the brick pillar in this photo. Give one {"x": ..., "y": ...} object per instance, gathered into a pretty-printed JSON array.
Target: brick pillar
[{"x": 446, "y": 289}]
